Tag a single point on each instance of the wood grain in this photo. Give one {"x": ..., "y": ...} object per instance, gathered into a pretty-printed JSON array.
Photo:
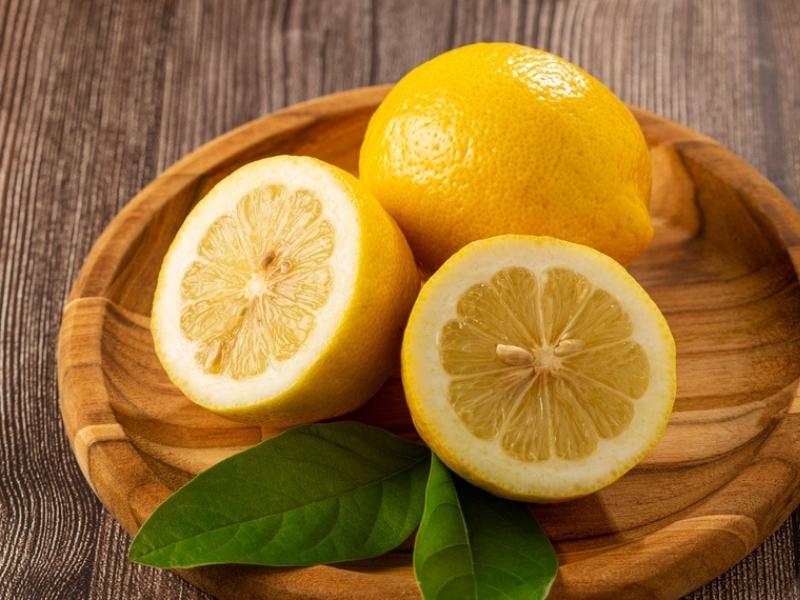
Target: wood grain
[
  {"x": 96, "y": 98},
  {"x": 724, "y": 268}
]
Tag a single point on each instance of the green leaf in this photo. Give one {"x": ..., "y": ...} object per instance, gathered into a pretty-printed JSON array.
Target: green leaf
[
  {"x": 472, "y": 545},
  {"x": 315, "y": 494}
]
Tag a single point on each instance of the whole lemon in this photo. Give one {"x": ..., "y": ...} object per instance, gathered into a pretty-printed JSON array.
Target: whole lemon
[{"x": 497, "y": 138}]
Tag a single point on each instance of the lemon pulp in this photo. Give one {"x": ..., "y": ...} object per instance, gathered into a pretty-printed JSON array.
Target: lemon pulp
[
  {"x": 550, "y": 376},
  {"x": 261, "y": 273}
]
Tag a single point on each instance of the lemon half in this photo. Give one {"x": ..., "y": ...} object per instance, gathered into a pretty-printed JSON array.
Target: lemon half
[
  {"x": 283, "y": 296},
  {"x": 536, "y": 368}
]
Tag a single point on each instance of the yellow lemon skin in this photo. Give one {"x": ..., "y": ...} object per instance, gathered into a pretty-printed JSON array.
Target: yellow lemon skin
[{"x": 498, "y": 138}]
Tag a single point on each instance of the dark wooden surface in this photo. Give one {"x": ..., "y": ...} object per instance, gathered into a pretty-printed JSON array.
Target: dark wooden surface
[{"x": 97, "y": 98}]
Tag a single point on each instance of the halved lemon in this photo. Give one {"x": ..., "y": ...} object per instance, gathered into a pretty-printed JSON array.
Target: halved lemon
[
  {"x": 537, "y": 369},
  {"x": 283, "y": 297}
]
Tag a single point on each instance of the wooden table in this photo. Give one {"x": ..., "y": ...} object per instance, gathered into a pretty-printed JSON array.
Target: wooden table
[{"x": 96, "y": 98}]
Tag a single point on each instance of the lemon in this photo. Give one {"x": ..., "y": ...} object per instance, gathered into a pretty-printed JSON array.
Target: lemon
[
  {"x": 283, "y": 296},
  {"x": 498, "y": 138},
  {"x": 536, "y": 368}
]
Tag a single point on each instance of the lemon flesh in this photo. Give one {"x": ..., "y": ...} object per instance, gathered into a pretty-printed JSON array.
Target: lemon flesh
[
  {"x": 261, "y": 274},
  {"x": 283, "y": 295},
  {"x": 537, "y": 368}
]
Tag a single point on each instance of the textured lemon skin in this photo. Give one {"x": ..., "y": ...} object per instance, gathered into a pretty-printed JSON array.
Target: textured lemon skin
[
  {"x": 364, "y": 349},
  {"x": 497, "y": 138},
  {"x": 428, "y": 424}
]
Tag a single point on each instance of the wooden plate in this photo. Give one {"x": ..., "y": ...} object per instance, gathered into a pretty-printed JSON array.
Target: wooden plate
[{"x": 723, "y": 268}]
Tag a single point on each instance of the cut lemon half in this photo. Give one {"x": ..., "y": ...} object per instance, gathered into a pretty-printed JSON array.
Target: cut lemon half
[
  {"x": 283, "y": 296},
  {"x": 537, "y": 369}
]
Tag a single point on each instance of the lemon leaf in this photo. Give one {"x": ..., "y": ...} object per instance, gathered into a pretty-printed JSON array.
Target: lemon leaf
[
  {"x": 472, "y": 545},
  {"x": 316, "y": 494}
]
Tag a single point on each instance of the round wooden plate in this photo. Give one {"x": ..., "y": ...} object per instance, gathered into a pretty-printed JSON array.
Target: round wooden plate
[{"x": 723, "y": 268}]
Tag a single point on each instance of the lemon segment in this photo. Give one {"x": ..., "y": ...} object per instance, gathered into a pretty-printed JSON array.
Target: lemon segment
[
  {"x": 283, "y": 295},
  {"x": 537, "y": 368}
]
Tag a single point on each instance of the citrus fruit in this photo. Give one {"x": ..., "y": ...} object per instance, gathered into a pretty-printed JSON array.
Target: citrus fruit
[
  {"x": 283, "y": 296},
  {"x": 498, "y": 138},
  {"x": 536, "y": 368}
]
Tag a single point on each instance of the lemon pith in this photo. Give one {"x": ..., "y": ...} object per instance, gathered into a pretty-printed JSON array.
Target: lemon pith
[
  {"x": 283, "y": 296},
  {"x": 537, "y": 368}
]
